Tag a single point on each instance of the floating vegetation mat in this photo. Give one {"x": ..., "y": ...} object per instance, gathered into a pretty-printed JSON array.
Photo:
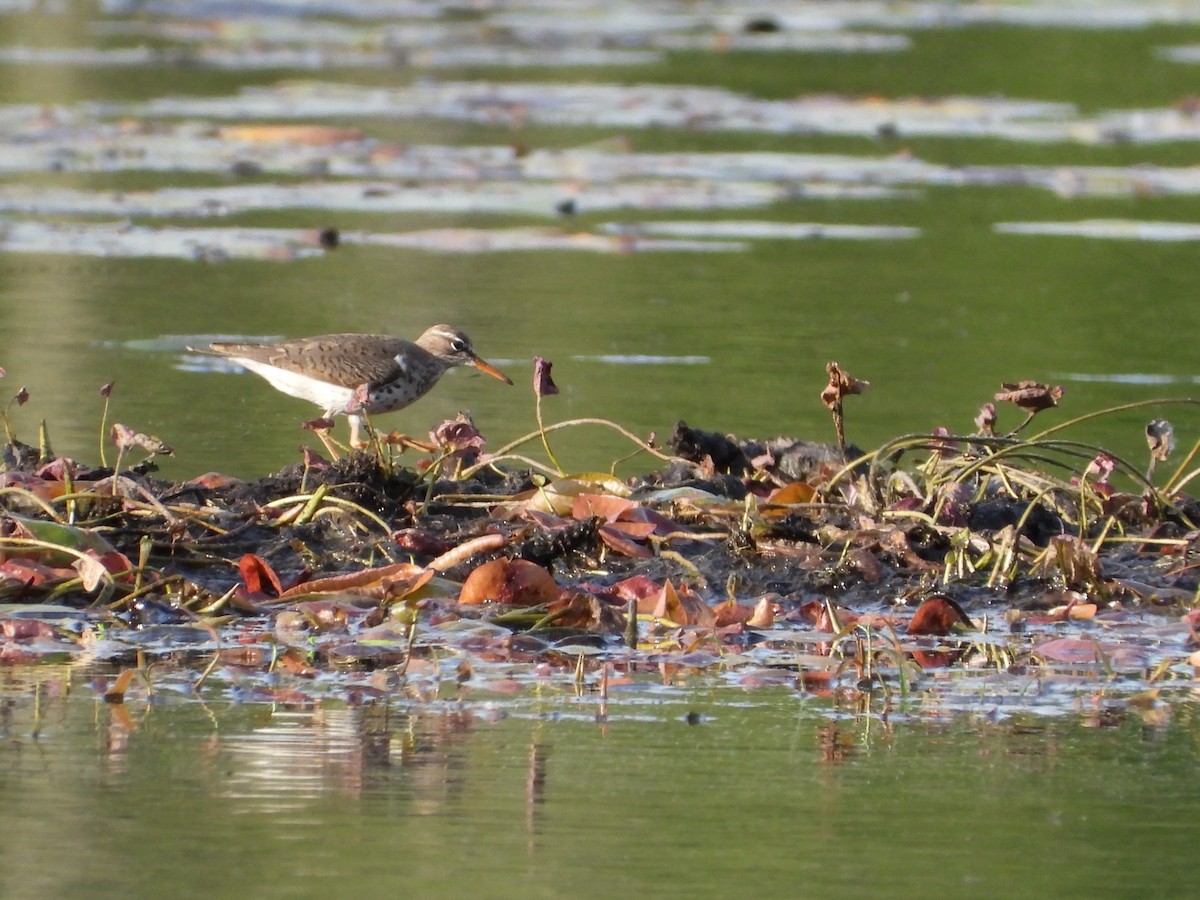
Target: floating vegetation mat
[{"x": 984, "y": 572}]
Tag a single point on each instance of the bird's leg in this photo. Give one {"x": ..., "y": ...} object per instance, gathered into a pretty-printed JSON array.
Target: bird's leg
[{"x": 356, "y": 439}]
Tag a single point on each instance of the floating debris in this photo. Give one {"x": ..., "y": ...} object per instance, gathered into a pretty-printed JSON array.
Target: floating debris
[
  {"x": 318, "y": 59},
  {"x": 636, "y": 106},
  {"x": 122, "y": 239},
  {"x": 770, "y": 230},
  {"x": 383, "y": 197},
  {"x": 1109, "y": 229}
]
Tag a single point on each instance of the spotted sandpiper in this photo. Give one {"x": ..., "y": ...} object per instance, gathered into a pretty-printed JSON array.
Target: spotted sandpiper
[{"x": 356, "y": 374}]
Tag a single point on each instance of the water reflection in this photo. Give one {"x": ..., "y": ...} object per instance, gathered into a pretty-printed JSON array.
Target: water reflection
[{"x": 548, "y": 790}]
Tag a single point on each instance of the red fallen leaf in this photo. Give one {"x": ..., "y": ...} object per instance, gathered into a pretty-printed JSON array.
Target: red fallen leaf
[
  {"x": 26, "y": 629},
  {"x": 763, "y": 615},
  {"x": 818, "y": 681},
  {"x": 1077, "y": 652},
  {"x": 795, "y": 492},
  {"x": 606, "y": 506},
  {"x": 616, "y": 540},
  {"x": 682, "y": 607},
  {"x": 214, "y": 481},
  {"x": 61, "y": 468},
  {"x": 637, "y": 530},
  {"x": 515, "y": 582},
  {"x": 420, "y": 541},
  {"x": 258, "y": 576},
  {"x": 732, "y": 613},
  {"x": 391, "y": 582},
  {"x": 662, "y": 525},
  {"x": 1068, "y": 650},
  {"x": 935, "y": 659},
  {"x": 637, "y": 587},
  {"x": 937, "y": 616},
  {"x": 34, "y": 573},
  {"x": 312, "y": 459},
  {"x": 294, "y": 662},
  {"x": 824, "y": 622}
]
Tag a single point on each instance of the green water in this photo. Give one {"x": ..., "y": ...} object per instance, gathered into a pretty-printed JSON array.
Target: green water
[
  {"x": 934, "y": 323},
  {"x": 767, "y": 793}
]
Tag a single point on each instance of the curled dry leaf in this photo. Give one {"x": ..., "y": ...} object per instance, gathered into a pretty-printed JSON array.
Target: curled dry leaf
[
  {"x": 312, "y": 459},
  {"x": 543, "y": 384},
  {"x": 321, "y": 423},
  {"x": 458, "y": 438},
  {"x": 1100, "y": 469},
  {"x": 258, "y": 576},
  {"x": 985, "y": 422},
  {"x": 682, "y": 607},
  {"x": 1031, "y": 396},
  {"x": 515, "y": 582},
  {"x": 1160, "y": 436},
  {"x": 93, "y": 567},
  {"x": 840, "y": 385},
  {"x": 125, "y": 438}
]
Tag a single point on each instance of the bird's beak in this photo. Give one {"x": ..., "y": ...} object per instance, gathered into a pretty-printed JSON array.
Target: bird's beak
[{"x": 489, "y": 369}]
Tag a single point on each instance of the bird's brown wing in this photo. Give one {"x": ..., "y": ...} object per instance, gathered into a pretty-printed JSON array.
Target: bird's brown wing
[{"x": 348, "y": 360}]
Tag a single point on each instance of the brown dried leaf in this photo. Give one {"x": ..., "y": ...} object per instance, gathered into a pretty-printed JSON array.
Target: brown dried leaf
[
  {"x": 1160, "y": 436},
  {"x": 516, "y": 582},
  {"x": 125, "y": 438},
  {"x": 683, "y": 607},
  {"x": 543, "y": 384},
  {"x": 841, "y": 384},
  {"x": 937, "y": 616},
  {"x": 985, "y": 422},
  {"x": 1031, "y": 396},
  {"x": 258, "y": 576}
]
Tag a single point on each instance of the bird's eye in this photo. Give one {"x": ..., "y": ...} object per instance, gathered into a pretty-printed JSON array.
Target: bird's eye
[{"x": 458, "y": 345}]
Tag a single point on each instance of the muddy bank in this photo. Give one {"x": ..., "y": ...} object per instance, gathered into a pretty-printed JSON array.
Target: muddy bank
[{"x": 763, "y": 561}]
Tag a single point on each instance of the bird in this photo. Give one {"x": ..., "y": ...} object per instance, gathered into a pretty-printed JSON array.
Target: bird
[{"x": 357, "y": 374}]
